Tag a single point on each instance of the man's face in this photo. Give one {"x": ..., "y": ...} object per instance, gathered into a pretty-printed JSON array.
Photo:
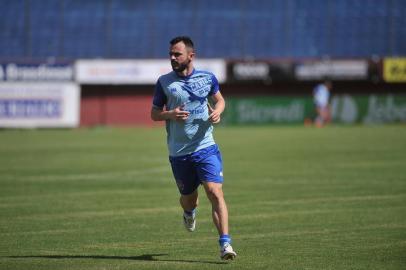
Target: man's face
[{"x": 180, "y": 56}]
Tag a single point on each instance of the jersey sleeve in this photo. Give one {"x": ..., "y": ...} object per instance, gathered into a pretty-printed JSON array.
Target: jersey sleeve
[
  {"x": 159, "y": 99},
  {"x": 215, "y": 87}
]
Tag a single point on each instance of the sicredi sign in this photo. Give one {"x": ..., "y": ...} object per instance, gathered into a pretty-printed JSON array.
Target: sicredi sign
[{"x": 346, "y": 109}]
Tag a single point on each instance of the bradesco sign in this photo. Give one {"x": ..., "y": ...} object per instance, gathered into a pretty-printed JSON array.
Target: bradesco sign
[
  {"x": 36, "y": 72},
  {"x": 38, "y": 94}
]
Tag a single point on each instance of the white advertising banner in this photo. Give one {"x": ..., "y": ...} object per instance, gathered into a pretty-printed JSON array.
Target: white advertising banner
[
  {"x": 332, "y": 69},
  {"x": 100, "y": 71},
  {"x": 32, "y": 105},
  {"x": 217, "y": 66}
]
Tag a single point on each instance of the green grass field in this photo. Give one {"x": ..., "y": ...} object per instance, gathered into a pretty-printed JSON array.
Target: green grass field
[{"x": 299, "y": 198}]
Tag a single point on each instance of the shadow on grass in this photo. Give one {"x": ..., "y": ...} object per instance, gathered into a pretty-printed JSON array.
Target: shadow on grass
[{"x": 145, "y": 257}]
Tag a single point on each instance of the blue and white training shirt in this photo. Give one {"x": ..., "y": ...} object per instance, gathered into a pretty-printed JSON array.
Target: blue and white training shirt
[
  {"x": 171, "y": 91},
  {"x": 321, "y": 96}
]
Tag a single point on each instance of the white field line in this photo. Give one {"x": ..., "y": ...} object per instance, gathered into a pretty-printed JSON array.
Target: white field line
[
  {"x": 332, "y": 199},
  {"x": 27, "y": 199},
  {"x": 114, "y": 214},
  {"x": 263, "y": 236},
  {"x": 264, "y": 217},
  {"x": 246, "y": 216},
  {"x": 90, "y": 176},
  {"x": 352, "y": 230},
  {"x": 98, "y": 214},
  {"x": 46, "y": 232}
]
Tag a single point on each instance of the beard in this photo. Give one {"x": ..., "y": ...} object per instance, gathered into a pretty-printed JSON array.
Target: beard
[{"x": 179, "y": 67}]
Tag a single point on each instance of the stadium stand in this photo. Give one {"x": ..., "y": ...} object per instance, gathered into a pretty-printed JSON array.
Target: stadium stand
[{"x": 227, "y": 29}]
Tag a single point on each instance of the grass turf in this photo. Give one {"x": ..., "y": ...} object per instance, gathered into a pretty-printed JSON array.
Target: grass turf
[{"x": 299, "y": 198}]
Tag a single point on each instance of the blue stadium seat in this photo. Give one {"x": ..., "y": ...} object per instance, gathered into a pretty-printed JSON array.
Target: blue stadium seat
[{"x": 226, "y": 29}]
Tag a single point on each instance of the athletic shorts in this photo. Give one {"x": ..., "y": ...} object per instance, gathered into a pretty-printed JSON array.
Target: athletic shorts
[{"x": 191, "y": 170}]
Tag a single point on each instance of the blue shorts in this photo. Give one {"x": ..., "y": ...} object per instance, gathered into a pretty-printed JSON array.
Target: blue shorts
[{"x": 191, "y": 170}]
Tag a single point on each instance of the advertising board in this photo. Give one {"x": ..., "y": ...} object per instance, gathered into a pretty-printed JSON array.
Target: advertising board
[
  {"x": 345, "y": 109},
  {"x": 35, "y": 72},
  {"x": 32, "y": 105},
  {"x": 394, "y": 70},
  {"x": 332, "y": 69},
  {"x": 146, "y": 71}
]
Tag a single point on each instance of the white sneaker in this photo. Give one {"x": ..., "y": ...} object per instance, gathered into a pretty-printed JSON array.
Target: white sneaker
[
  {"x": 189, "y": 222},
  {"x": 227, "y": 252}
]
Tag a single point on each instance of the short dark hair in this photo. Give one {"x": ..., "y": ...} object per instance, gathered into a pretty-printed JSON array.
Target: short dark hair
[{"x": 185, "y": 39}]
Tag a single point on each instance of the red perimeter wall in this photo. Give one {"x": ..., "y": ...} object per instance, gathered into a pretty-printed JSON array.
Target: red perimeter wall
[{"x": 115, "y": 106}]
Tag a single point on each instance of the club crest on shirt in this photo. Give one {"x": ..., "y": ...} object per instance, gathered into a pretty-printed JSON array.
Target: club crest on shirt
[{"x": 194, "y": 97}]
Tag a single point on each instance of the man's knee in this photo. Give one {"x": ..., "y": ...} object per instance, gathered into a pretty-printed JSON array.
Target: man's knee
[{"x": 214, "y": 191}]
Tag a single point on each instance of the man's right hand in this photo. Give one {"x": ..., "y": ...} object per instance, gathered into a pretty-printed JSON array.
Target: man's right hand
[{"x": 178, "y": 114}]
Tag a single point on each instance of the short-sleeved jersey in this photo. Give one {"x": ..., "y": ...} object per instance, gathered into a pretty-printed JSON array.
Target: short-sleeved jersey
[
  {"x": 191, "y": 92},
  {"x": 321, "y": 95}
]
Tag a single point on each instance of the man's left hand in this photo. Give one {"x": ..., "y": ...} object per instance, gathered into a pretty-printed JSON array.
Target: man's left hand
[{"x": 214, "y": 115}]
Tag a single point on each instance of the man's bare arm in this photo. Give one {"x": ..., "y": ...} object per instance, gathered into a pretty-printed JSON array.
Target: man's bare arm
[
  {"x": 219, "y": 105},
  {"x": 177, "y": 114}
]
